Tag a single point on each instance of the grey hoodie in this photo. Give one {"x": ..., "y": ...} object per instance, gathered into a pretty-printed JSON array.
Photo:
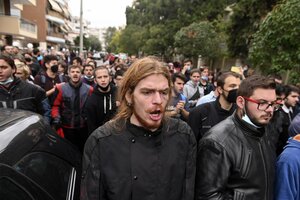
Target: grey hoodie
[{"x": 190, "y": 89}]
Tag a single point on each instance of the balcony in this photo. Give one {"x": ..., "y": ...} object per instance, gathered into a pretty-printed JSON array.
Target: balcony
[
  {"x": 19, "y": 3},
  {"x": 25, "y": 2},
  {"x": 12, "y": 25}
]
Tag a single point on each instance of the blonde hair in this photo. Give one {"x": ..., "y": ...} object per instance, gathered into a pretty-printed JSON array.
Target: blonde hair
[
  {"x": 26, "y": 70},
  {"x": 139, "y": 70}
]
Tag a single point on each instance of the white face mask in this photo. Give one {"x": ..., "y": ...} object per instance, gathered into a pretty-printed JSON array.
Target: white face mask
[
  {"x": 248, "y": 120},
  {"x": 9, "y": 80}
]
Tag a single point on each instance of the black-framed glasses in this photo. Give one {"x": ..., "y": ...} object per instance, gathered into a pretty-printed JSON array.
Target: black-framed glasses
[{"x": 264, "y": 105}]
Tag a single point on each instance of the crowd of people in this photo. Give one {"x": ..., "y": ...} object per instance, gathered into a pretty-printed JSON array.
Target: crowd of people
[{"x": 154, "y": 130}]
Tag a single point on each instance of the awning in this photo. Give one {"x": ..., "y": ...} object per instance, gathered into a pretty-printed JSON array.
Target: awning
[
  {"x": 66, "y": 12},
  {"x": 55, "y": 19},
  {"x": 55, "y": 6},
  {"x": 63, "y": 29},
  {"x": 55, "y": 39}
]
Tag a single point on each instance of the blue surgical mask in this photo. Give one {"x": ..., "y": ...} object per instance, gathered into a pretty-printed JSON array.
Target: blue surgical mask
[
  {"x": 9, "y": 80},
  {"x": 205, "y": 78}
]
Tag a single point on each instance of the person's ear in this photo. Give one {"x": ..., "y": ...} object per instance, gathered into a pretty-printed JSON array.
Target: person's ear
[
  {"x": 240, "y": 102},
  {"x": 128, "y": 97},
  {"x": 219, "y": 89}
]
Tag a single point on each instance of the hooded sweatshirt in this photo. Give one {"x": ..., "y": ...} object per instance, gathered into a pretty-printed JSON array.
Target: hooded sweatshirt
[
  {"x": 100, "y": 107},
  {"x": 189, "y": 89},
  {"x": 287, "y": 186}
]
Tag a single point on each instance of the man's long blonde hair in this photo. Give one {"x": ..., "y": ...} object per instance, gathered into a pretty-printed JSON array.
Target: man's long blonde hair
[{"x": 139, "y": 70}]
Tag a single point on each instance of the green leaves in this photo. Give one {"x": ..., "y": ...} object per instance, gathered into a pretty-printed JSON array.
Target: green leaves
[
  {"x": 276, "y": 46},
  {"x": 198, "y": 39}
]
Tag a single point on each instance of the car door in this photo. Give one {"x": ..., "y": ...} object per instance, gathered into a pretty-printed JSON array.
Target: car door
[
  {"x": 14, "y": 185},
  {"x": 53, "y": 174}
]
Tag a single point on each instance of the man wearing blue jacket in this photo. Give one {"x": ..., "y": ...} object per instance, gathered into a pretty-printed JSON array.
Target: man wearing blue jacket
[{"x": 287, "y": 185}]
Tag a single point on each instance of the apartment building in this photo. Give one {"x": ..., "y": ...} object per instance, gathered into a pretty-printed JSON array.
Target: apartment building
[
  {"x": 52, "y": 18},
  {"x": 14, "y": 28}
]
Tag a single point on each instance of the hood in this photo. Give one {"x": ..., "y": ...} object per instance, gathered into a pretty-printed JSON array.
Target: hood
[
  {"x": 294, "y": 142},
  {"x": 190, "y": 83},
  {"x": 294, "y": 127},
  {"x": 98, "y": 92}
]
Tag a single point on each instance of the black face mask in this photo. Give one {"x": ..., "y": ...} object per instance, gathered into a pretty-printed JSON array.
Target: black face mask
[
  {"x": 54, "y": 68},
  {"x": 232, "y": 95}
]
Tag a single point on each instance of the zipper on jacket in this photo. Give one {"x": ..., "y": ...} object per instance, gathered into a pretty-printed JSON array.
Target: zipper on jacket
[{"x": 265, "y": 170}]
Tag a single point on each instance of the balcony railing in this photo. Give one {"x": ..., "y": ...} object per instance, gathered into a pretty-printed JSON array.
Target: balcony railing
[{"x": 12, "y": 25}]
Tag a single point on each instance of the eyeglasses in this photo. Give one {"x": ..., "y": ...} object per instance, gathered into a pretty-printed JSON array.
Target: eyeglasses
[{"x": 264, "y": 105}]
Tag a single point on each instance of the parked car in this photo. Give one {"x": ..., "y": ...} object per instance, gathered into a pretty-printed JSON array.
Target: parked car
[{"x": 35, "y": 163}]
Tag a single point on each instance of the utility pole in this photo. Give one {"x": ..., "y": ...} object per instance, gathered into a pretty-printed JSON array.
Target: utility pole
[{"x": 81, "y": 30}]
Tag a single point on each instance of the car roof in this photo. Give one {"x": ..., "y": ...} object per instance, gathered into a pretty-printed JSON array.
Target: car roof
[
  {"x": 23, "y": 131},
  {"x": 9, "y": 120}
]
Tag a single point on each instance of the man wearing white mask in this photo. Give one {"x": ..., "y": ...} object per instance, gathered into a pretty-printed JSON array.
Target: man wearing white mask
[{"x": 235, "y": 160}]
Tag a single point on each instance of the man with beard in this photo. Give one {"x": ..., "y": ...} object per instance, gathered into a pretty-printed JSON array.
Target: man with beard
[
  {"x": 178, "y": 106},
  {"x": 290, "y": 101},
  {"x": 67, "y": 110},
  {"x": 141, "y": 154},
  {"x": 234, "y": 159},
  {"x": 88, "y": 75},
  {"x": 206, "y": 115},
  {"x": 101, "y": 106}
]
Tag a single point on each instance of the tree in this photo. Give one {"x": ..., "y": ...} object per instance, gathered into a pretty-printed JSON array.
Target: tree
[
  {"x": 95, "y": 43},
  {"x": 244, "y": 22},
  {"x": 110, "y": 32},
  {"x": 114, "y": 45},
  {"x": 198, "y": 39},
  {"x": 86, "y": 42},
  {"x": 131, "y": 39},
  {"x": 89, "y": 43},
  {"x": 162, "y": 19},
  {"x": 276, "y": 47}
]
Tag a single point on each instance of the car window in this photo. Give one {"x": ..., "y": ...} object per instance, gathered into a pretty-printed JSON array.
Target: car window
[
  {"x": 50, "y": 172},
  {"x": 11, "y": 191}
]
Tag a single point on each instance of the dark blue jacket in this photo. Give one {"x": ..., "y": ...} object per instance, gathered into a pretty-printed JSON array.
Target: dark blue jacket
[{"x": 287, "y": 185}]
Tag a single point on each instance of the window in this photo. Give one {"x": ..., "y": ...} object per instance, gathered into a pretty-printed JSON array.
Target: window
[
  {"x": 50, "y": 172},
  {"x": 10, "y": 191},
  {"x": 2, "y": 11}
]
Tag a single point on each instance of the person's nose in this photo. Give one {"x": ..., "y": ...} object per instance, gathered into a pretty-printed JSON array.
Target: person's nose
[
  {"x": 157, "y": 98},
  {"x": 270, "y": 109}
]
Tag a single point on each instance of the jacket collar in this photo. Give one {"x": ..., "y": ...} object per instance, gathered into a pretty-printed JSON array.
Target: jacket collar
[
  {"x": 141, "y": 131},
  {"x": 247, "y": 128}
]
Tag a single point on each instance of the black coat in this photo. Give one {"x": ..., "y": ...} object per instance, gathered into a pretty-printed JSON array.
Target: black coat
[
  {"x": 205, "y": 116},
  {"x": 123, "y": 161},
  {"x": 23, "y": 95},
  {"x": 235, "y": 161}
]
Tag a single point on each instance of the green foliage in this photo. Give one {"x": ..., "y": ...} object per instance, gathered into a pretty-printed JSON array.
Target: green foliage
[
  {"x": 89, "y": 43},
  {"x": 276, "y": 46},
  {"x": 244, "y": 22},
  {"x": 113, "y": 46},
  {"x": 160, "y": 20},
  {"x": 198, "y": 39},
  {"x": 131, "y": 39},
  {"x": 95, "y": 43},
  {"x": 110, "y": 32}
]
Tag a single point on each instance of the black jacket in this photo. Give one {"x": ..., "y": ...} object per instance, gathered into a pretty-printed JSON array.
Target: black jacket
[
  {"x": 235, "y": 161},
  {"x": 100, "y": 108},
  {"x": 23, "y": 95},
  {"x": 124, "y": 162},
  {"x": 205, "y": 116}
]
